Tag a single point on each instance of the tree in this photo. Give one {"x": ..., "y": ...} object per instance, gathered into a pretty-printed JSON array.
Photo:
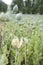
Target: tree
[
  {"x": 41, "y": 7},
  {"x": 0, "y": 5},
  {"x": 19, "y": 3},
  {"x": 36, "y": 6},
  {"x": 3, "y": 6},
  {"x": 29, "y": 6}
]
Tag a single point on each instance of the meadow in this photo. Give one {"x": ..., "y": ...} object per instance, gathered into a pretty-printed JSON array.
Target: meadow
[{"x": 22, "y": 40}]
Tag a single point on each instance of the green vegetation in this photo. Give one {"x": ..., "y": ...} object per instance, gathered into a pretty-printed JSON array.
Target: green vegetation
[{"x": 31, "y": 29}]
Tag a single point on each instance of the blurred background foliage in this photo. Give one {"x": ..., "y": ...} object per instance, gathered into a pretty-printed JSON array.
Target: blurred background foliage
[{"x": 25, "y": 6}]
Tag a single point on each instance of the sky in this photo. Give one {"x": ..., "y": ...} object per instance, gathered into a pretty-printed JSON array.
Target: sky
[{"x": 7, "y": 1}]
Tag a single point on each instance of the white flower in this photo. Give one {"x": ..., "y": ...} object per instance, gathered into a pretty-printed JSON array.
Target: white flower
[
  {"x": 26, "y": 40},
  {"x": 16, "y": 42},
  {"x": 20, "y": 42},
  {"x": 15, "y": 8},
  {"x": 18, "y": 16}
]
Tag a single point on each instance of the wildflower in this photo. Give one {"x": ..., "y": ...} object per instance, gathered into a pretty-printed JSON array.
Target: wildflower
[
  {"x": 15, "y": 9},
  {"x": 16, "y": 42},
  {"x": 20, "y": 42},
  {"x": 26, "y": 40},
  {"x": 18, "y": 16}
]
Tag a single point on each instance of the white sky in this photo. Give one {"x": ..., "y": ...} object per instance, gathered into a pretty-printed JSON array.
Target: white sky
[{"x": 7, "y": 1}]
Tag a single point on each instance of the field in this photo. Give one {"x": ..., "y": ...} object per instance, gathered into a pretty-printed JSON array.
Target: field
[{"x": 21, "y": 41}]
